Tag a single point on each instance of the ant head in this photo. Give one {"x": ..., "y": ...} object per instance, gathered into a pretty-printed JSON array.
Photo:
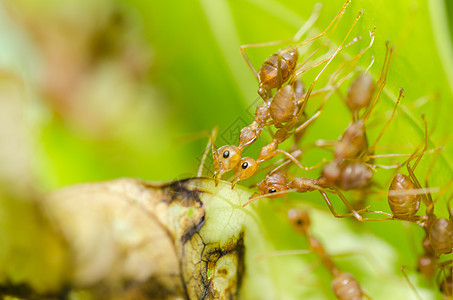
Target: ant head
[
  {"x": 246, "y": 167},
  {"x": 299, "y": 219},
  {"x": 273, "y": 183},
  {"x": 225, "y": 159}
]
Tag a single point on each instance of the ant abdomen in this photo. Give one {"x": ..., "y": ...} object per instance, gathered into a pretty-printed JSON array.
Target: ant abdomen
[
  {"x": 275, "y": 182},
  {"x": 404, "y": 205},
  {"x": 441, "y": 236},
  {"x": 360, "y": 92},
  {"x": 346, "y": 287},
  {"x": 268, "y": 73},
  {"x": 283, "y": 105}
]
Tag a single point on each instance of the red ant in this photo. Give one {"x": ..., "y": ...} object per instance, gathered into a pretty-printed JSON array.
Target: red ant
[
  {"x": 248, "y": 166},
  {"x": 344, "y": 285},
  {"x": 438, "y": 230},
  {"x": 227, "y": 157},
  {"x": 402, "y": 202},
  {"x": 275, "y": 185},
  {"x": 278, "y": 68},
  {"x": 353, "y": 144}
]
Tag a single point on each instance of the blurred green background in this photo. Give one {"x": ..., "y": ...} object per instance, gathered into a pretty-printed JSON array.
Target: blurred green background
[
  {"x": 133, "y": 88},
  {"x": 96, "y": 90}
]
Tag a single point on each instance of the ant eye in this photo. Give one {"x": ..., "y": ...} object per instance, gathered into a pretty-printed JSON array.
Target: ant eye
[
  {"x": 299, "y": 222},
  {"x": 226, "y": 154},
  {"x": 245, "y": 165},
  {"x": 272, "y": 190}
]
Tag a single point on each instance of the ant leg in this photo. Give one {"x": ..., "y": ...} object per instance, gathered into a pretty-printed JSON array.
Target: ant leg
[
  {"x": 349, "y": 206},
  {"x": 410, "y": 283},
  {"x": 425, "y": 141},
  {"x": 214, "y": 132},
  {"x": 390, "y": 155},
  {"x": 307, "y": 25},
  {"x": 332, "y": 210},
  {"x": 385, "y": 167},
  {"x": 382, "y": 80},
  {"x": 252, "y": 199},
  {"x": 371, "y": 63},
  {"x": 329, "y": 86},
  {"x": 281, "y": 162},
  {"x": 366, "y": 295},
  {"x": 333, "y": 22},
  {"x": 279, "y": 71},
  {"x": 336, "y": 20},
  {"x": 321, "y": 108},
  {"x": 325, "y": 144},
  {"x": 294, "y": 160},
  {"x": 298, "y": 72},
  {"x": 210, "y": 144},
  {"x": 306, "y": 123},
  {"x": 281, "y": 253},
  {"x": 368, "y": 257},
  {"x": 426, "y": 197},
  {"x": 441, "y": 192},
  {"x": 307, "y": 96},
  {"x": 371, "y": 149},
  {"x": 361, "y": 52},
  {"x": 390, "y": 217},
  {"x": 354, "y": 60},
  {"x": 450, "y": 211}
]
